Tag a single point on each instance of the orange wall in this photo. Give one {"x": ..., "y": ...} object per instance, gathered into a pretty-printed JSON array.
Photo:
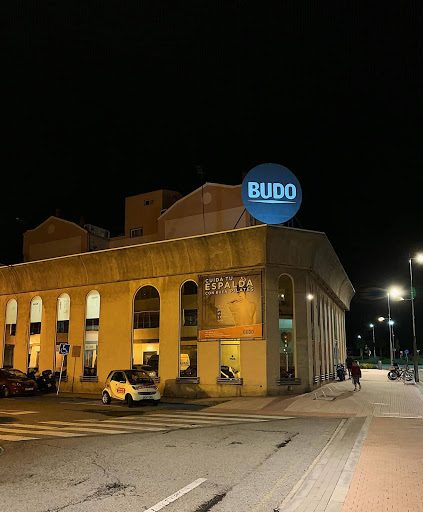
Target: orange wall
[
  {"x": 138, "y": 215},
  {"x": 53, "y": 238}
]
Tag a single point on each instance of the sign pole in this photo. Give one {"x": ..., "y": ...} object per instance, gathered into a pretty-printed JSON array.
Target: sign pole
[
  {"x": 60, "y": 378},
  {"x": 73, "y": 376}
]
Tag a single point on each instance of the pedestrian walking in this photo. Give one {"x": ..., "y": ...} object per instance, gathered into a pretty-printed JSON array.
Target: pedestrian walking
[
  {"x": 356, "y": 374},
  {"x": 349, "y": 362}
]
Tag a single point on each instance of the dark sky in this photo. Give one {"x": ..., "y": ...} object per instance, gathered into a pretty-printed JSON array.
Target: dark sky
[{"x": 103, "y": 99}]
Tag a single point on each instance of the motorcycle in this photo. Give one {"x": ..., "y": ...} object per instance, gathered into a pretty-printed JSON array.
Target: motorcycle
[
  {"x": 340, "y": 371},
  {"x": 395, "y": 373},
  {"x": 46, "y": 381}
]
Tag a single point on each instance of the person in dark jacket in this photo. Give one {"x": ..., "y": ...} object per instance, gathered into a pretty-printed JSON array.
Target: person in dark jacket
[
  {"x": 356, "y": 374},
  {"x": 349, "y": 362}
]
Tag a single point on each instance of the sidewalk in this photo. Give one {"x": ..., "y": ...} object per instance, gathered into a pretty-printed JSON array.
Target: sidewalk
[{"x": 373, "y": 461}]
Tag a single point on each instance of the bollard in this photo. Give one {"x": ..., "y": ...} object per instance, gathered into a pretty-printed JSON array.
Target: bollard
[{"x": 379, "y": 365}]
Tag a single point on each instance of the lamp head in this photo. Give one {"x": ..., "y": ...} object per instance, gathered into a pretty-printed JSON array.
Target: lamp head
[{"x": 394, "y": 292}]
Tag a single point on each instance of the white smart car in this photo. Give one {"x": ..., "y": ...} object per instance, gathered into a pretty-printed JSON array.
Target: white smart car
[{"x": 130, "y": 386}]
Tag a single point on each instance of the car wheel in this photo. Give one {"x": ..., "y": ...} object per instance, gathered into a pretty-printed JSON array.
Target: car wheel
[
  {"x": 106, "y": 398},
  {"x": 6, "y": 392},
  {"x": 129, "y": 401}
]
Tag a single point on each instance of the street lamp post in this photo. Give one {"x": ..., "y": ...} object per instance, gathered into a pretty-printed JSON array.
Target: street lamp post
[
  {"x": 374, "y": 341},
  {"x": 419, "y": 258},
  {"x": 390, "y": 332}
]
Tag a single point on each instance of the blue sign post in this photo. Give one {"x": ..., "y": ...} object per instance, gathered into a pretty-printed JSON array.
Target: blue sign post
[
  {"x": 271, "y": 193},
  {"x": 64, "y": 350}
]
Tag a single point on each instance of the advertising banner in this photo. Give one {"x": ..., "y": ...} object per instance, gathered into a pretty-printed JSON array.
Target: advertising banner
[{"x": 230, "y": 306}]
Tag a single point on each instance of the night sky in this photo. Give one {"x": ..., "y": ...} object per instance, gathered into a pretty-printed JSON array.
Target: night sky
[{"x": 101, "y": 100}]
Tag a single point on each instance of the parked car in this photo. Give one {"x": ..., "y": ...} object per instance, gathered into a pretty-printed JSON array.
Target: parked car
[
  {"x": 131, "y": 386},
  {"x": 14, "y": 382}
]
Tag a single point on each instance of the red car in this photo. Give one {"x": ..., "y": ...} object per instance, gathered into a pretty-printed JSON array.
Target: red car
[{"x": 15, "y": 382}]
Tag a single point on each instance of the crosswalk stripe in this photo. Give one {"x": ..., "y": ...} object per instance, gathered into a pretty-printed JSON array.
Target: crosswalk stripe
[
  {"x": 17, "y": 413},
  {"x": 77, "y": 426},
  {"x": 5, "y": 437},
  {"x": 110, "y": 424},
  {"x": 205, "y": 419},
  {"x": 37, "y": 431},
  {"x": 185, "y": 419},
  {"x": 141, "y": 422},
  {"x": 240, "y": 415}
]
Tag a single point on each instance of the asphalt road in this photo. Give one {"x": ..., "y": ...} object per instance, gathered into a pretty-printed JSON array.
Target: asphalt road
[{"x": 86, "y": 456}]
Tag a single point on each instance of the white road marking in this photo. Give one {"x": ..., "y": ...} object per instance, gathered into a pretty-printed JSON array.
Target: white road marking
[
  {"x": 17, "y": 413},
  {"x": 77, "y": 426},
  {"x": 38, "y": 431},
  {"x": 6, "y": 437},
  {"x": 176, "y": 495},
  {"x": 204, "y": 419},
  {"x": 240, "y": 415},
  {"x": 141, "y": 422},
  {"x": 111, "y": 424}
]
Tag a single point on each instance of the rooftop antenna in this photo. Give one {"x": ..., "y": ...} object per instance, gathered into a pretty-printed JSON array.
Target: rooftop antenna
[{"x": 201, "y": 173}]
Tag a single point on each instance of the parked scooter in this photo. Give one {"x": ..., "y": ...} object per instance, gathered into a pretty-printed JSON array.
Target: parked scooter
[
  {"x": 340, "y": 371},
  {"x": 46, "y": 381},
  {"x": 49, "y": 379}
]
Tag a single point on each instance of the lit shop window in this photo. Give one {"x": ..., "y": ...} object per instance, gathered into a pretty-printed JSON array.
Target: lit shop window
[
  {"x": 230, "y": 364},
  {"x": 36, "y": 310},
  {"x": 146, "y": 321},
  {"x": 92, "y": 321},
  {"x": 62, "y": 333},
  {"x": 189, "y": 330},
  {"x": 286, "y": 328},
  {"x": 10, "y": 333}
]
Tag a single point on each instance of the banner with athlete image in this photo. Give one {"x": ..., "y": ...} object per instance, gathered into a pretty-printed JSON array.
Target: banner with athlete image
[{"x": 230, "y": 306}]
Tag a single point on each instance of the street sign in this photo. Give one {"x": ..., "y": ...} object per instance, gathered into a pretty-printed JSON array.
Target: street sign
[
  {"x": 405, "y": 351},
  {"x": 64, "y": 349}
]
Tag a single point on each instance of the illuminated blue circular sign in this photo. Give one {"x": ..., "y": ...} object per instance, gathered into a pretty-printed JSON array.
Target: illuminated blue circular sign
[{"x": 271, "y": 193}]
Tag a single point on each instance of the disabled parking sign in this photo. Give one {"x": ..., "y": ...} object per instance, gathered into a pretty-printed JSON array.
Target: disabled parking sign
[{"x": 64, "y": 349}]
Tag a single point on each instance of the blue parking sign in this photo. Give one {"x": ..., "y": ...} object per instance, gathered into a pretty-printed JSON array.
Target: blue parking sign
[
  {"x": 405, "y": 351},
  {"x": 64, "y": 349}
]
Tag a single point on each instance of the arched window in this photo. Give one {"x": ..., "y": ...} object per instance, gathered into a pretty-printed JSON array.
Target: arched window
[
  {"x": 36, "y": 311},
  {"x": 189, "y": 330},
  {"x": 62, "y": 333},
  {"x": 145, "y": 345},
  {"x": 10, "y": 333},
  {"x": 92, "y": 323},
  {"x": 286, "y": 327}
]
